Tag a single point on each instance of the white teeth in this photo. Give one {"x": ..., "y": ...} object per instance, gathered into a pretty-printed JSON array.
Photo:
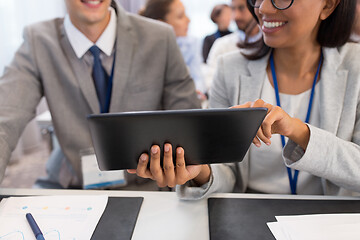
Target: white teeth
[
  {"x": 94, "y": 2},
  {"x": 273, "y": 24}
]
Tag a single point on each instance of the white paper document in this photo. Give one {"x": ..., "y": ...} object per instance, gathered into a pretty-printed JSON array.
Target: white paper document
[
  {"x": 316, "y": 227},
  {"x": 58, "y": 217}
]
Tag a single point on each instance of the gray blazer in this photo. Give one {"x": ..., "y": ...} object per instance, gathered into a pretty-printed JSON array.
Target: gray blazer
[
  {"x": 150, "y": 74},
  {"x": 333, "y": 152}
]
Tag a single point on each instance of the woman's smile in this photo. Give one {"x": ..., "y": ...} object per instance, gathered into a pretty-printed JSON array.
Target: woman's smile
[{"x": 270, "y": 26}]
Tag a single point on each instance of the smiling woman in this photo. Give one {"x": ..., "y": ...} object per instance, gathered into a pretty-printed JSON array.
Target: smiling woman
[{"x": 307, "y": 76}]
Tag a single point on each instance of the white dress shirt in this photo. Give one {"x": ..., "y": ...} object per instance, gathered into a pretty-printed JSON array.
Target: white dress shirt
[
  {"x": 81, "y": 44},
  {"x": 268, "y": 172},
  {"x": 106, "y": 42}
]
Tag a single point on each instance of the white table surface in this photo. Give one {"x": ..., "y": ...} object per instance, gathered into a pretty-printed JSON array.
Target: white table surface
[{"x": 162, "y": 214}]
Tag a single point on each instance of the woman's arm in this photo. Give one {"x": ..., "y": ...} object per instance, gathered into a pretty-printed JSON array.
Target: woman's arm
[{"x": 312, "y": 149}]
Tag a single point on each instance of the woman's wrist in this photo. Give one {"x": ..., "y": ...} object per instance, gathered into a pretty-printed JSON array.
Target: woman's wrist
[
  {"x": 300, "y": 134},
  {"x": 204, "y": 175}
]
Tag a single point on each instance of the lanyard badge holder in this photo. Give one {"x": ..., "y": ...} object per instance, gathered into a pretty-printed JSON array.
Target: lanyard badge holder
[
  {"x": 293, "y": 179},
  {"x": 93, "y": 178}
]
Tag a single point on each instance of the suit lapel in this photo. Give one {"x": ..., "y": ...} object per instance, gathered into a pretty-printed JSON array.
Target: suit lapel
[
  {"x": 125, "y": 45},
  {"x": 250, "y": 90},
  {"x": 251, "y": 85},
  {"x": 81, "y": 74},
  {"x": 332, "y": 90}
]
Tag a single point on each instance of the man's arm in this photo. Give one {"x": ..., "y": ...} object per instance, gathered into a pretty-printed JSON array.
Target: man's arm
[
  {"x": 179, "y": 88},
  {"x": 20, "y": 92}
]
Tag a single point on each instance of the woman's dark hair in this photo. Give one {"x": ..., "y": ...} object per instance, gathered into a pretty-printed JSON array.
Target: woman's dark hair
[
  {"x": 156, "y": 9},
  {"x": 113, "y": 4},
  {"x": 216, "y": 12},
  {"x": 334, "y": 31}
]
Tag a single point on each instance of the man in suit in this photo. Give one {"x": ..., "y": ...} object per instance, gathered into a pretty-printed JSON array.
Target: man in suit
[{"x": 139, "y": 62}]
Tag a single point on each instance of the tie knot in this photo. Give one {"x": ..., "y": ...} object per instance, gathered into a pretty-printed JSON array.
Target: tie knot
[{"x": 95, "y": 51}]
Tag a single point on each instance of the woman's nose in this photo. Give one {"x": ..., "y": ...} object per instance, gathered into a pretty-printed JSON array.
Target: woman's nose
[{"x": 266, "y": 6}]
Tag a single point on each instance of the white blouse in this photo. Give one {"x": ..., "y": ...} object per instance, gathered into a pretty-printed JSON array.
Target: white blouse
[{"x": 268, "y": 172}]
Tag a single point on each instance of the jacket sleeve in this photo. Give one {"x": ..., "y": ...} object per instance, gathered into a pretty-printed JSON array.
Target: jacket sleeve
[
  {"x": 222, "y": 179},
  {"x": 329, "y": 157},
  {"x": 179, "y": 89},
  {"x": 20, "y": 92}
]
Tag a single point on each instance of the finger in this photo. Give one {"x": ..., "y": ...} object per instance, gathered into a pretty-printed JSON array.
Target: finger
[
  {"x": 264, "y": 134},
  {"x": 261, "y": 136},
  {"x": 257, "y": 103},
  {"x": 142, "y": 170},
  {"x": 155, "y": 168},
  {"x": 168, "y": 166},
  {"x": 181, "y": 172},
  {"x": 274, "y": 115},
  {"x": 262, "y": 104},
  {"x": 245, "y": 105},
  {"x": 268, "y": 106},
  {"x": 131, "y": 171},
  {"x": 256, "y": 141}
]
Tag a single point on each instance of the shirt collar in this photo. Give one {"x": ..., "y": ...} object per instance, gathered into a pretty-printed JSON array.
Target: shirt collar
[{"x": 81, "y": 44}]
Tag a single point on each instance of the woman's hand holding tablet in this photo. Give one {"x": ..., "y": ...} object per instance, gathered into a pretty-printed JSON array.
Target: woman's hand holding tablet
[{"x": 170, "y": 175}]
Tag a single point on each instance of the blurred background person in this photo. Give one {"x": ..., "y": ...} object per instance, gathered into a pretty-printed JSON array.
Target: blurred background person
[
  {"x": 247, "y": 31},
  {"x": 220, "y": 15},
  {"x": 173, "y": 12},
  {"x": 355, "y": 35}
]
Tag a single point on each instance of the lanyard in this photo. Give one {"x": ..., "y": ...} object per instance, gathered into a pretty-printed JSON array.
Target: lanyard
[
  {"x": 293, "y": 180},
  {"x": 109, "y": 89}
]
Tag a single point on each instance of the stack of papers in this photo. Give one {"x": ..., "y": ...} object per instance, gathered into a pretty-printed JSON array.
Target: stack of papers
[
  {"x": 58, "y": 217},
  {"x": 319, "y": 227}
]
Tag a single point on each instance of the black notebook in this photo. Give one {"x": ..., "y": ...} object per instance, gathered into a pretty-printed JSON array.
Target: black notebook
[
  {"x": 236, "y": 218},
  {"x": 119, "y": 218}
]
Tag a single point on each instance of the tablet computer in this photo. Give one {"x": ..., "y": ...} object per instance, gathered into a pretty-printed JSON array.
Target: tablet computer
[{"x": 207, "y": 135}]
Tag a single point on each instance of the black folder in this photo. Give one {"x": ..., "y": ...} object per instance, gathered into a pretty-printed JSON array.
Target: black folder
[
  {"x": 237, "y": 218},
  {"x": 119, "y": 219}
]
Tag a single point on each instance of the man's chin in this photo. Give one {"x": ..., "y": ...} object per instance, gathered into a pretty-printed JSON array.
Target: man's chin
[{"x": 241, "y": 26}]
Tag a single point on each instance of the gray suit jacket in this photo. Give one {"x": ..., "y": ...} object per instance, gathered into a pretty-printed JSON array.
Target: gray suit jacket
[
  {"x": 333, "y": 152},
  {"x": 150, "y": 74}
]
